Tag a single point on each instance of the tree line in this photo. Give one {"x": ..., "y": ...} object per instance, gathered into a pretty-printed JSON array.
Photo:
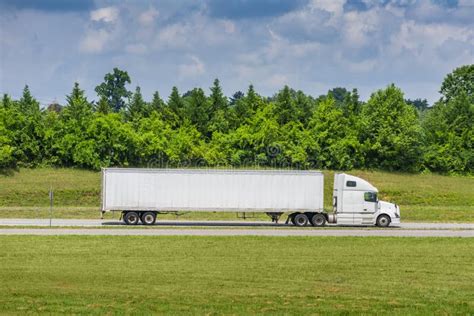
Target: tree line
[{"x": 290, "y": 129}]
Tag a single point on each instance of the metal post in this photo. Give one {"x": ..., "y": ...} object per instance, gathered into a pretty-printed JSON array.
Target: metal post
[{"x": 51, "y": 196}]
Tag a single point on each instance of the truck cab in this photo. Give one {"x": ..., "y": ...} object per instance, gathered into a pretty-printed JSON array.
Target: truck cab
[{"x": 355, "y": 202}]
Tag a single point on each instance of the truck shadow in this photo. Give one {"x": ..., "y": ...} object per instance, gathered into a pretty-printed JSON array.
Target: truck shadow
[
  {"x": 205, "y": 223},
  {"x": 181, "y": 223}
]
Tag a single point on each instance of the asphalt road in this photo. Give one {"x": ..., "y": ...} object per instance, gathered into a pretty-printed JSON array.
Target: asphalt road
[
  {"x": 239, "y": 232},
  {"x": 184, "y": 223},
  {"x": 226, "y": 228}
]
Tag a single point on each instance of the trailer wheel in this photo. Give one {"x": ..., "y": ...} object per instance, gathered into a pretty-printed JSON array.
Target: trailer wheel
[
  {"x": 300, "y": 220},
  {"x": 148, "y": 218},
  {"x": 131, "y": 218},
  {"x": 318, "y": 220},
  {"x": 383, "y": 221}
]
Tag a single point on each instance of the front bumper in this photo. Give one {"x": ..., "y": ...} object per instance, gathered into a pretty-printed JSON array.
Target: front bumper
[{"x": 394, "y": 221}]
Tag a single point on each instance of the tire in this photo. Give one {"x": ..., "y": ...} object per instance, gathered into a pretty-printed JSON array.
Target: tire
[
  {"x": 383, "y": 221},
  {"x": 300, "y": 220},
  {"x": 131, "y": 218},
  {"x": 148, "y": 218},
  {"x": 318, "y": 220}
]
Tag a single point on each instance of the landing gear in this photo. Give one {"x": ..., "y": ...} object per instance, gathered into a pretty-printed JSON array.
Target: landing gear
[{"x": 275, "y": 216}]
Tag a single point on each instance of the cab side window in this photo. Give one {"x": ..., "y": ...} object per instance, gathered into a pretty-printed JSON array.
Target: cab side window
[
  {"x": 351, "y": 184},
  {"x": 370, "y": 197}
]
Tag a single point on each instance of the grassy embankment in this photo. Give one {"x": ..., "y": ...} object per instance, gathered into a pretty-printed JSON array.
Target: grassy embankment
[
  {"x": 236, "y": 275},
  {"x": 427, "y": 197}
]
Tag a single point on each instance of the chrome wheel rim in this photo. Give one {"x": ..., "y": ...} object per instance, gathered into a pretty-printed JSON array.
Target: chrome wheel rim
[
  {"x": 148, "y": 219},
  {"x": 301, "y": 221},
  {"x": 132, "y": 219}
]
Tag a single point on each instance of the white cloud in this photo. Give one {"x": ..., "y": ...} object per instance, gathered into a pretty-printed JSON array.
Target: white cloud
[
  {"x": 198, "y": 31},
  {"x": 314, "y": 47},
  {"x": 423, "y": 38},
  {"x": 174, "y": 36},
  {"x": 107, "y": 14},
  {"x": 359, "y": 27},
  {"x": 137, "y": 48},
  {"x": 148, "y": 17},
  {"x": 466, "y": 3},
  {"x": 277, "y": 81},
  {"x": 229, "y": 26},
  {"x": 333, "y": 6},
  {"x": 194, "y": 68},
  {"x": 94, "y": 41}
]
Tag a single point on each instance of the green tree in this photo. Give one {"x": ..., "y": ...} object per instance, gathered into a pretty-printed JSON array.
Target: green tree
[
  {"x": 335, "y": 142},
  {"x": 28, "y": 104},
  {"x": 68, "y": 138},
  {"x": 114, "y": 90},
  {"x": 185, "y": 146},
  {"x": 449, "y": 135},
  {"x": 219, "y": 111},
  {"x": 54, "y": 107},
  {"x": 419, "y": 104},
  {"x": 236, "y": 97},
  {"x": 175, "y": 109},
  {"x": 198, "y": 110},
  {"x": 217, "y": 99},
  {"x": 24, "y": 122},
  {"x": 77, "y": 107},
  {"x": 108, "y": 142},
  {"x": 154, "y": 135},
  {"x": 7, "y": 158},
  {"x": 339, "y": 94},
  {"x": 6, "y": 101},
  {"x": 304, "y": 107},
  {"x": 461, "y": 80},
  {"x": 103, "y": 106},
  {"x": 391, "y": 133},
  {"x": 285, "y": 108},
  {"x": 157, "y": 104},
  {"x": 137, "y": 108},
  {"x": 246, "y": 106}
]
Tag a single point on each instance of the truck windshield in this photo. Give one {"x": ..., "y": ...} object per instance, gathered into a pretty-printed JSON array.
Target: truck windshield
[{"x": 370, "y": 197}]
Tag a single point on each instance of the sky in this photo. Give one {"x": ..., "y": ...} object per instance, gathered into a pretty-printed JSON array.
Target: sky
[{"x": 312, "y": 45}]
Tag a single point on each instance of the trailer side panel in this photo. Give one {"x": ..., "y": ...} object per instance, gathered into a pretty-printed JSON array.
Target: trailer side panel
[{"x": 211, "y": 190}]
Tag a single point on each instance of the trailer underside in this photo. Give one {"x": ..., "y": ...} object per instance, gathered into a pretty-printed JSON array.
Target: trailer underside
[{"x": 300, "y": 219}]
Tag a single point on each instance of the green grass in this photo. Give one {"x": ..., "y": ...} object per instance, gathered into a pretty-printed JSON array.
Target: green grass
[
  {"x": 236, "y": 275},
  {"x": 422, "y": 197}
]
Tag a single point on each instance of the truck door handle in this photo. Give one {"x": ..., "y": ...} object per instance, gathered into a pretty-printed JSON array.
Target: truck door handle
[{"x": 365, "y": 209}]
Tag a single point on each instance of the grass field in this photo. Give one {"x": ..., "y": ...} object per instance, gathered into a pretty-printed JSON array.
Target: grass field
[
  {"x": 236, "y": 275},
  {"x": 422, "y": 197}
]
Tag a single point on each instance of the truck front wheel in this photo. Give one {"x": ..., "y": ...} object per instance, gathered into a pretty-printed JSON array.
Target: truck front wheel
[
  {"x": 318, "y": 220},
  {"x": 149, "y": 218},
  {"x": 300, "y": 220},
  {"x": 131, "y": 218},
  {"x": 383, "y": 221}
]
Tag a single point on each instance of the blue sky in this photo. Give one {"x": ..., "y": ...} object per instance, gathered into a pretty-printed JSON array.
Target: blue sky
[{"x": 312, "y": 45}]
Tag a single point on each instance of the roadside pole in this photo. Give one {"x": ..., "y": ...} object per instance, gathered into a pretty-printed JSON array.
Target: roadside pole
[{"x": 51, "y": 196}]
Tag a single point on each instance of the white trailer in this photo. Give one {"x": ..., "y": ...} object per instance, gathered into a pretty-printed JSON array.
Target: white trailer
[{"x": 142, "y": 194}]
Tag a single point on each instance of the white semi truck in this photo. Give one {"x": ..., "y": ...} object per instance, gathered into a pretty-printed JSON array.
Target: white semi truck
[{"x": 141, "y": 194}]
